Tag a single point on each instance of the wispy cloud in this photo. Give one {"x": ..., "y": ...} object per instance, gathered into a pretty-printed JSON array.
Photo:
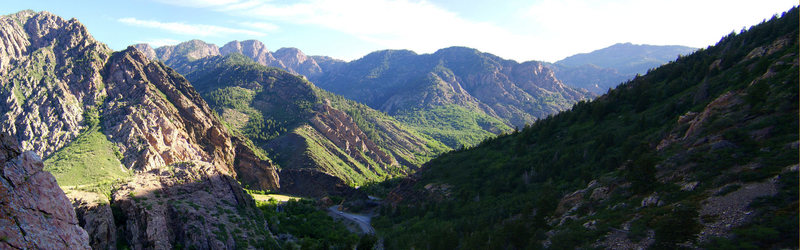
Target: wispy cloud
[
  {"x": 398, "y": 24},
  {"x": 550, "y": 29},
  {"x": 199, "y": 30}
]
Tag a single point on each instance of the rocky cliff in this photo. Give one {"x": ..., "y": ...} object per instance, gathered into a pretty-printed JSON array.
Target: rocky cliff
[
  {"x": 189, "y": 50},
  {"x": 181, "y": 153},
  {"x": 36, "y": 213},
  {"x": 61, "y": 84},
  {"x": 254, "y": 50},
  {"x": 50, "y": 70},
  {"x": 296, "y": 62}
]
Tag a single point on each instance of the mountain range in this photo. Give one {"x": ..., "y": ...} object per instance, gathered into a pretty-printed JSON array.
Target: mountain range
[
  {"x": 604, "y": 69},
  {"x": 457, "y": 95},
  {"x": 698, "y": 153},
  {"x": 302, "y": 127},
  {"x": 178, "y": 146}
]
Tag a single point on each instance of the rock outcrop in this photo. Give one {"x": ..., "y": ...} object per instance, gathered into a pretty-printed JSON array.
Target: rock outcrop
[
  {"x": 290, "y": 59},
  {"x": 296, "y": 62},
  {"x": 95, "y": 216},
  {"x": 148, "y": 51},
  {"x": 35, "y": 212},
  {"x": 253, "y": 49},
  {"x": 50, "y": 70},
  {"x": 340, "y": 129},
  {"x": 58, "y": 81},
  {"x": 252, "y": 170},
  {"x": 194, "y": 49},
  {"x": 183, "y": 157}
]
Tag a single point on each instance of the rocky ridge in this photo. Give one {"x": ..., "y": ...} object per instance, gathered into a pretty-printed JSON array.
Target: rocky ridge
[
  {"x": 183, "y": 191},
  {"x": 478, "y": 81},
  {"x": 36, "y": 213},
  {"x": 46, "y": 89},
  {"x": 302, "y": 127},
  {"x": 290, "y": 59}
]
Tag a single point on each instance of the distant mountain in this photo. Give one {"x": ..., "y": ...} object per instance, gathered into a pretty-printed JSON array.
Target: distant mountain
[
  {"x": 145, "y": 161},
  {"x": 290, "y": 59},
  {"x": 457, "y": 95},
  {"x": 698, "y": 153},
  {"x": 628, "y": 58},
  {"x": 308, "y": 132},
  {"x": 605, "y": 68}
]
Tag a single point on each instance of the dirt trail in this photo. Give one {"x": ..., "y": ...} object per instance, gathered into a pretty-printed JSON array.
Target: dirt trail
[{"x": 360, "y": 219}]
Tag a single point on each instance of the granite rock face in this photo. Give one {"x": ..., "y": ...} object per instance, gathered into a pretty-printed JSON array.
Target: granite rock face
[
  {"x": 254, "y": 171},
  {"x": 58, "y": 81},
  {"x": 296, "y": 62},
  {"x": 292, "y": 60},
  {"x": 183, "y": 158},
  {"x": 35, "y": 212},
  {"x": 50, "y": 70},
  {"x": 254, "y": 50},
  {"x": 148, "y": 51},
  {"x": 194, "y": 49}
]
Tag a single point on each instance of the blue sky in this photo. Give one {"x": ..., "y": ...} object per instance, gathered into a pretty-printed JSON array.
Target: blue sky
[{"x": 545, "y": 30}]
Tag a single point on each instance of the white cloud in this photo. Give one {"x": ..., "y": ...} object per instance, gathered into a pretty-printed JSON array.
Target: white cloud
[
  {"x": 199, "y": 30},
  {"x": 395, "y": 24},
  {"x": 547, "y": 30},
  {"x": 586, "y": 25},
  {"x": 155, "y": 43}
]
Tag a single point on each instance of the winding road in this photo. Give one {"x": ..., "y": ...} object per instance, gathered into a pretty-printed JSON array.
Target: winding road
[{"x": 361, "y": 220}]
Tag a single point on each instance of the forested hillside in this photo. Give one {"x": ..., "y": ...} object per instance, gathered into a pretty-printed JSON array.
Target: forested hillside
[
  {"x": 701, "y": 152},
  {"x": 302, "y": 127},
  {"x": 457, "y": 95}
]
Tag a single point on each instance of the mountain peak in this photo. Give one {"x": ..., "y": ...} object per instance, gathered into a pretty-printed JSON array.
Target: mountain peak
[
  {"x": 628, "y": 58},
  {"x": 148, "y": 51},
  {"x": 253, "y": 49},
  {"x": 192, "y": 50},
  {"x": 289, "y": 51},
  {"x": 296, "y": 62},
  {"x": 457, "y": 49}
]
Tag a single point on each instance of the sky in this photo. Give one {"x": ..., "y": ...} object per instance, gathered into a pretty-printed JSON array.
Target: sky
[{"x": 522, "y": 30}]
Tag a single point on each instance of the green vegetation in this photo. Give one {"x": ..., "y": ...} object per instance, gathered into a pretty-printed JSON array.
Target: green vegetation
[
  {"x": 457, "y": 95},
  {"x": 272, "y": 109},
  {"x": 384, "y": 131},
  {"x": 312, "y": 227},
  {"x": 501, "y": 193},
  {"x": 269, "y": 102},
  {"x": 90, "y": 162},
  {"x": 453, "y": 125}
]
